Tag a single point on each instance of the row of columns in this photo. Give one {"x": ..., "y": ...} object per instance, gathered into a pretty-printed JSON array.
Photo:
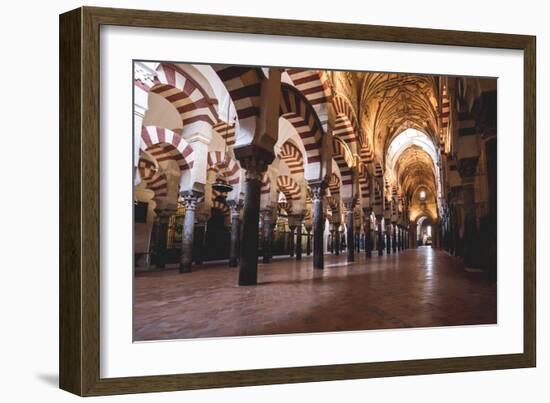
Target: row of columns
[
  {"x": 244, "y": 234},
  {"x": 394, "y": 238}
]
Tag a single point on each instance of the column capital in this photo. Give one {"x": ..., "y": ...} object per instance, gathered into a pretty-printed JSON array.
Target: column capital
[
  {"x": 318, "y": 188},
  {"x": 235, "y": 207},
  {"x": 254, "y": 160},
  {"x": 191, "y": 199},
  {"x": 267, "y": 214},
  {"x": 349, "y": 203}
]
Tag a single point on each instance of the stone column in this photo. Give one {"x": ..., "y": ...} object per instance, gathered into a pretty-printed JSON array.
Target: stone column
[
  {"x": 337, "y": 240},
  {"x": 299, "y": 238},
  {"x": 291, "y": 229},
  {"x": 368, "y": 241},
  {"x": 380, "y": 242},
  {"x": 198, "y": 243},
  {"x": 318, "y": 191},
  {"x": 350, "y": 237},
  {"x": 255, "y": 161},
  {"x": 400, "y": 238},
  {"x": 235, "y": 233},
  {"x": 163, "y": 217},
  {"x": 191, "y": 199},
  {"x": 388, "y": 239},
  {"x": 308, "y": 243},
  {"x": 267, "y": 236},
  {"x": 394, "y": 238}
]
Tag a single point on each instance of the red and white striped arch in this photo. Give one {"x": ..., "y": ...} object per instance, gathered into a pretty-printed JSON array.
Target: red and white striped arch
[
  {"x": 366, "y": 154},
  {"x": 445, "y": 114},
  {"x": 221, "y": 206},
  {"x": 378, "y": 206},
  {"x": 164, "y": 144},
  {"x": 265, "y": 187},
  {"x": 364, "y": 185},
  {"x": 378, "y": 170},
  {"x": 244, "y": 85},
  {"x": 332, "y": 203},
  {"x": 300, "y": 113},
  {"x": 344, "y": 159},
  {"x": 225, "y": 166},
  {"x": 196, "y": 109},
  {"x": 292, "y": 156},
  {"x": 345, "y": 125},
  {"x": 315, "y": 86},
  {"x": 334, "y": 184},
  {"x": 153, "y": 179},
  {"x": 226, "y": 132},
  {"x": 288, "y": 187}
]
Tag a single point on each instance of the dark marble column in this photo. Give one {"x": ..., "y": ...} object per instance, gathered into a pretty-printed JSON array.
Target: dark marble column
[
  {"x": 380, "y": 242},
  {"x": 388, "y": 239},
  {"x": 267, "y": 236},
  {"x": 299, "y": 239},
  {"x": 198, "y": 243},
  {"x": 191, "y": 199},
  {"x": 368, "y": 240},
  {"x": 235, "y": 233},
  {"x": 255, "y": 161},
  {"x": 330, "y": 242},
  {"x": 308, "y": 243},
  {"x": 337, "y": 240},
  {"x": 350, "y": 237},
  {"x": 163, "y": 217},
  {"x": 291, "y": 229},
  {"x": 394, "y": 238},
  {"x": 248, "y": 264},
  {"x": 318, "y": 191},
  {"x": 399, "y": 238}
]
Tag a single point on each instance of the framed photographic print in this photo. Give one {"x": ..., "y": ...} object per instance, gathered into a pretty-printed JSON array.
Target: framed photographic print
[{"x": 250, "y": 201}]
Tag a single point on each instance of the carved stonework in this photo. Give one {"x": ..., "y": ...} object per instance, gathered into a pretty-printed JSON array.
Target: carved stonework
[
  {"x": 145, "y": 73},
  {"x": 318, "y": 190},
  {"x": 235, "y": 206},
  {"x": 254, "y": 160},
  {"x": 191, "y": 199}
]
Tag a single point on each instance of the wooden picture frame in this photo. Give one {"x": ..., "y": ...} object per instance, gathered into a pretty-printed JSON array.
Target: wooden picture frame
[{"x": 80, "y": 184}]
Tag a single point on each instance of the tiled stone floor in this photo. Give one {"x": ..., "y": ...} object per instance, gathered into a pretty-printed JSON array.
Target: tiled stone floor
[{"x": 415, "y": 288}]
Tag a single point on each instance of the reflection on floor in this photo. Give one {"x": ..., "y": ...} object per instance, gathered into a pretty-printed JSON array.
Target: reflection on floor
[{"x": 419, "y": 287}]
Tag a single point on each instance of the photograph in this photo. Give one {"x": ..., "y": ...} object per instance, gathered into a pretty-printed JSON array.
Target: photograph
[{"x": 273, "y": 200}]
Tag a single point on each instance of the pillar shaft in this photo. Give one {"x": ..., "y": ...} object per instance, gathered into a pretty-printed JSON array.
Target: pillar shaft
[
  {"x": 291, "y": 240},
  {"x": 318, "y": 191},
  {"x": 235, "y": 236},
  {"x": 394, "y": 238},
  {"x": 308, "y": 243},
  {"x": 350, "y": 237},
  {"x": 388, "y": 239},
  {"x": 267, "y": 237},
  {"x": 161, "y": 239},
  {"x": 299, "y": 241},
  {"x": 380, "y": 237},
  {"x": 191, "y": 199},
  {"x": 248, "y": 264},
  {"x": 254, "y": 160},
  {"x": 198, "y": 243},
  {"x": 368, "y": 241}
]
